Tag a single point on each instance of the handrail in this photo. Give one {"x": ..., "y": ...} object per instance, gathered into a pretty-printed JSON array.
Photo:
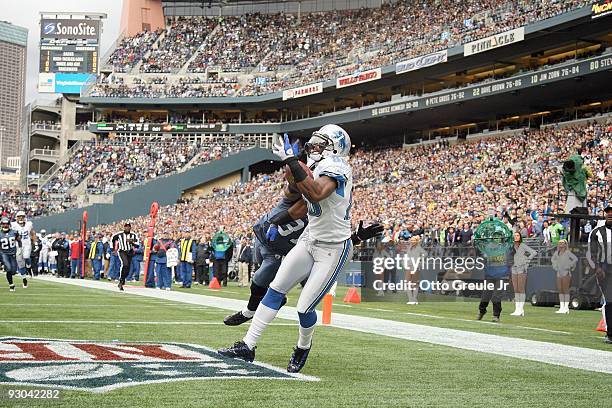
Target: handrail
[
  {"x": 44, "y": 152},
  {"x": 42, "y": 180}
]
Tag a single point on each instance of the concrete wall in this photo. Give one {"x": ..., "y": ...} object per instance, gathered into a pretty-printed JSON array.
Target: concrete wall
[
  {"x": 165, "y": 190},
  {"x": 207, "y": 188}
]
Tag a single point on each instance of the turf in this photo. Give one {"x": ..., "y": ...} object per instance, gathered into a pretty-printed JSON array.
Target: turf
[{"x": 356, "y": 369}]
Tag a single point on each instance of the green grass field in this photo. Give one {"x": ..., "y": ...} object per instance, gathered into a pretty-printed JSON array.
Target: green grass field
[{"x": 355, "y": 369}]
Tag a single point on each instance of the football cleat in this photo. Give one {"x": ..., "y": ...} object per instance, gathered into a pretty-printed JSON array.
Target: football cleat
[
  {"x": 25, "y": 283},
  {"x": 12, "y": 288},
  {"x": 120, "y": 286},
  {"x": 608, "y": 340},
  {"x": 239, "y": 350},
  {"x": 298, "y": 359},
  {"x": 236, "y": 319}
]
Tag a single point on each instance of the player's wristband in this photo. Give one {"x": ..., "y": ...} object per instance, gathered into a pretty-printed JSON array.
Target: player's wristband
[
  {"x": 281, "y": 218},
  {"x": 299, "y": 174}
]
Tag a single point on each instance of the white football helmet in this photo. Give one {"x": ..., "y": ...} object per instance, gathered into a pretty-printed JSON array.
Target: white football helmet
[
  {"x": 329, "y": 141},
  {"x": 21, "y": 215}
]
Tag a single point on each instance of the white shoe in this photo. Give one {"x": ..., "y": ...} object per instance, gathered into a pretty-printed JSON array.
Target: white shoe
[
  {"x": 517, "y": 313},
  {"x": 167, "y": 288},
  {"x": 12, "y": 288},
  {"x": 412, "y": 303},
  {"x": 560, "y": 311}
]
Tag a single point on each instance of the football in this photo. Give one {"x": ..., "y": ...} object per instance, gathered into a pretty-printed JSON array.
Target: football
[{"x": 289, "y": 176}]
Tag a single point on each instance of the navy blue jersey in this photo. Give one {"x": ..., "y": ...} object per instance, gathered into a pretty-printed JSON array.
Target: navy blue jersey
[
  {"x": 288, "y": 234},
  {"x": 8, "y": 242}
]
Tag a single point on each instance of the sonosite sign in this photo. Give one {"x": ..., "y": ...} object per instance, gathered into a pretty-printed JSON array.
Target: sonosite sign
[{"x": 69, "y": 50}]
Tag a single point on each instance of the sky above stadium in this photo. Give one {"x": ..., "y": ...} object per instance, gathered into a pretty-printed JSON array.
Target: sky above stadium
[{"x": 25, "y": 13}]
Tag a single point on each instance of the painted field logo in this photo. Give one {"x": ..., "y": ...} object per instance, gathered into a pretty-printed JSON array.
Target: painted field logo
[{"x": 103, "y": 366}]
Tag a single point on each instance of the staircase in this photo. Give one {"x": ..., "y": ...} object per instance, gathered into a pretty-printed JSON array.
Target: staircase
[
  {"x": 44, "y": 178},
  {"x": 202, "y": 46}
]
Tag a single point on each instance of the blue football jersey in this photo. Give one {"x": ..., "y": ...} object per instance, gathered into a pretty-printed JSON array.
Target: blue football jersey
[
  {"x": 8, "y": 242},
  {"x": 288, "y": 234}
]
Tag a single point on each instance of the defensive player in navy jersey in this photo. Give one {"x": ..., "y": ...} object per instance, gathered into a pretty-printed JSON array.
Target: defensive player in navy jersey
[{"x": 9, "y": 241}]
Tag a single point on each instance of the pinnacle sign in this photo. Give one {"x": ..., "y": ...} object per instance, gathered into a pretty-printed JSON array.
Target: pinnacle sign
[{"x": 103, "y": 366}]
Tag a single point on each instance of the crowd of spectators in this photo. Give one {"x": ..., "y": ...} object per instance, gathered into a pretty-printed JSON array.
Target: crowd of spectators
[
  {"x": 322, "y": 45},
  {"x": 131, "y": 50},
  {"x": 111, "y": 164},
  {"x": 184, "y": 90},
  {"x": 435, "y": 190},
  {"x": 34, "y": 203},
  {"x": 183, "y": 38}
]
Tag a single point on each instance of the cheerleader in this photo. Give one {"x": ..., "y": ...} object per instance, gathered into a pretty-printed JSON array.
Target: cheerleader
[
  {"x": 563, "y": 262},
  {"x": 523, "y": 254}
]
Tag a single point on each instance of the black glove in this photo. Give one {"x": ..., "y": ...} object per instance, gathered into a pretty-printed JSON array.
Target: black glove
[{"x": 363, "y": 234}]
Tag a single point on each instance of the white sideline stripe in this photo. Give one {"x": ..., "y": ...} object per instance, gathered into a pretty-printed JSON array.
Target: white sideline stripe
[
  {"x": 127, "y": 322},
  {"x": 539, "y": 351},
  {"x": 89, "y": 304}
]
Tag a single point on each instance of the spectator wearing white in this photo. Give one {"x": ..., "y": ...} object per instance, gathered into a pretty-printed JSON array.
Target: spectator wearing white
[
  {"x": 563, "y": 262},
  {"x": 546, "y": 233},
  {"x": 416, "y": 257},
  {"x": 523, "y": 254}
]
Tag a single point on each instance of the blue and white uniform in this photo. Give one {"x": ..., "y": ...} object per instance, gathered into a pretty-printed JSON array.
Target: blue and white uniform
[
  {"x": 325, "y": 246},
  {"x": 24, "y": 231}
]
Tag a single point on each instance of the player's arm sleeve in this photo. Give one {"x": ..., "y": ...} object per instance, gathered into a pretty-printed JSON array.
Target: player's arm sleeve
[{"x": 592, "y": 249}]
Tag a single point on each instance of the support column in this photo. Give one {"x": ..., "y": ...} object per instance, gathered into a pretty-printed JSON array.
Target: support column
[{"x": 68, "y": 124}]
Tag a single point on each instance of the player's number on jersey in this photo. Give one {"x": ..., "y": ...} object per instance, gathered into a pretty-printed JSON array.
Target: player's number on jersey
[
  {"x": 7, "y": 243},
  {"x": 288, "y": 229}
]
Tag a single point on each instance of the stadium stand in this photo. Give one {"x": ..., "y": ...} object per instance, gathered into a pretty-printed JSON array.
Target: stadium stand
[
  {"x": 112, "y": 164},
  {"x": 34, "y": 203},
  {"x": 280, "y": 51},
  {"x": 426, "y": 188}
]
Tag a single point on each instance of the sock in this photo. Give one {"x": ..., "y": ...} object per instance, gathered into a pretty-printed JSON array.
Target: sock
[
  {"x": 262, "y": 318},
  {"x": 9, "y": 278},
  {"x": 247, "y": 313},
  {"x": 307, "y": 326},
  {"x": 561, "y": 300},
  {"x": 257, "y": 294},
  {"x": 265, "y": 313},
  {"x": 305, "y": 337}
]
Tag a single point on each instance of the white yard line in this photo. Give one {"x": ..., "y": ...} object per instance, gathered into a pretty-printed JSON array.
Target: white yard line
[
  {"x": 162, "y": 323},
  {"x": 544, "y": 352}
]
